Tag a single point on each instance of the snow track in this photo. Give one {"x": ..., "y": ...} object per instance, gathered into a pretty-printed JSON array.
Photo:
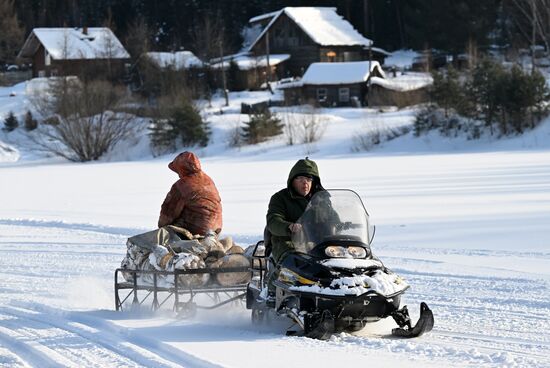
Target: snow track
[
  {"x": 55, "y": 338},
  {"x": 469, "y": 232},
  {"x": 484, "y": 317}
]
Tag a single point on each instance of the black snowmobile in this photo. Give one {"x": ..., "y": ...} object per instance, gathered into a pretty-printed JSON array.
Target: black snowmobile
[{"x": 333, "y": 282}]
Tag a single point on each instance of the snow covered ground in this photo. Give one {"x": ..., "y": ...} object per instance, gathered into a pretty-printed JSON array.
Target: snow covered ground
[{"x": 465, "y": 222}]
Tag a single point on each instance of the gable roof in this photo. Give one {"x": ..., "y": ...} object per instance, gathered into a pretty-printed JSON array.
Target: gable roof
[
  {"x": 178, "y": 60},
  {"x": 404, "y": 82},
  {"x": 248, "y": 62},
  {"x": 337, "y": 73},
  {"x": 322, "y": 24},
  {"x": 73, "y": 44}
]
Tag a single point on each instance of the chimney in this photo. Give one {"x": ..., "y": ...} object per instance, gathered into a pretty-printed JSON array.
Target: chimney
[{"x": 85, "y": 30}]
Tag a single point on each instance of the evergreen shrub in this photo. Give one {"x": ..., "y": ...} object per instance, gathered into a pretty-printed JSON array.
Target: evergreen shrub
[
  {"x": 10, "y": 123},
  {"x": 261, "y": 126}
]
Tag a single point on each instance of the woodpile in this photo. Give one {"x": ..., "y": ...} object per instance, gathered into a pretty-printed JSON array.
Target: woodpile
[{"x": 186, "y": 252}]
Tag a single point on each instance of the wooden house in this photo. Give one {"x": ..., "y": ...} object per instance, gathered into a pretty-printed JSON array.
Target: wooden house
[
  {"x": 310, "y": 35},
  {"x": 155, "y": 72},
  {"x": 245, "y": 71},
  {"x": 407, "y": 89},
  {"x": 333, "y": 84},
  {"x": 84, "y": 52}
]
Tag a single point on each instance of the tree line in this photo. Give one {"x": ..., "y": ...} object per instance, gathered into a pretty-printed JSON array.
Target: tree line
[
  {"x": 450, "y": 25},
  {"x": 83, "y": 119}
]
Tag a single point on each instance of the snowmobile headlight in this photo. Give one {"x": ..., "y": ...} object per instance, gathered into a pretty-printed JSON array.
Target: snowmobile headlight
[
  {"x": 335, "y": 251},
  {"x": 357, "y": 252}
]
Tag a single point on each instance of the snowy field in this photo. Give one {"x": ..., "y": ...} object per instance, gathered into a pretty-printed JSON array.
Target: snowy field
[{"x": 466, "y": 223}]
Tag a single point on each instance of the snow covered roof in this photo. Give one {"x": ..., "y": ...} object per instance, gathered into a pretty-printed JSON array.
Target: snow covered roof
[
  {"x": 323, "y": 25},
  {"x": 404, "y": 82},
  {"x": 73, "y": 44},
  {"x": 263, "y": 16},
  {"x": 337, "y": 73},
  {"x": 246, "y": 62},
  {"x": 178, "y": 60}
]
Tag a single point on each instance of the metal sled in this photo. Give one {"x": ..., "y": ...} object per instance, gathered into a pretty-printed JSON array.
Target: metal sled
[{"x": 182, "y": 295}]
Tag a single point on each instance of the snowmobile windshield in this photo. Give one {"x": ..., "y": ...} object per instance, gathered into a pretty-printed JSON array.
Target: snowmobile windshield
[{"x": 330, "y": 215}]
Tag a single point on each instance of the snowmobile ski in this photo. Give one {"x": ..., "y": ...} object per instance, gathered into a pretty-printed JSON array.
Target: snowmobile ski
[{"x": 425, "y": 324}]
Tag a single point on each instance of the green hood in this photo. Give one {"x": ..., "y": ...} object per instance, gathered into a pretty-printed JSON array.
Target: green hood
[{"x": 309, "y": 167}]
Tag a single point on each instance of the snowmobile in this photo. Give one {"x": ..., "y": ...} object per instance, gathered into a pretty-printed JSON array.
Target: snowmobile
[{"x": 332, "y": 282}]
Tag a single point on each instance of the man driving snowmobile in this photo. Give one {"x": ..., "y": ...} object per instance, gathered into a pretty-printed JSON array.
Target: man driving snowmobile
[{"x": 285, "y": 208}]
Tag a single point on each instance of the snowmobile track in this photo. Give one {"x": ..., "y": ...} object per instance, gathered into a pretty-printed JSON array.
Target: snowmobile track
[
  {"x": 102, "y": 339},
  {"x": 31, "y": 352}
]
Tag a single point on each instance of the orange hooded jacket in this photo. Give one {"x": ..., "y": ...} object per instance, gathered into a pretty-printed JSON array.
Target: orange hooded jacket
[{"x": 193, "y": 201}]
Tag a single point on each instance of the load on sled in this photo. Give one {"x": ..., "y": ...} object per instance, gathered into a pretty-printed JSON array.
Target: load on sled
[{"x": 172, "y": 264}]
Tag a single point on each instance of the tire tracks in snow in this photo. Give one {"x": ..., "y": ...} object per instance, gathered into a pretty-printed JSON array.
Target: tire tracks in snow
[
  {"x": 466, "y": 350},
  {"x": 49, "y": 345},
  {"x": 118, "y": 341},
  {"x": 31, "y": 352}
]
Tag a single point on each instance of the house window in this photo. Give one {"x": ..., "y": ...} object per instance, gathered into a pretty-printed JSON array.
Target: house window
[
  {"x": 41, "y": 73},
  {"x": 47, "y": 59},
  {"x": 321, "y": 94},
  {"x": 351, "y": 56},
  {"x": 343, "y": 94}
]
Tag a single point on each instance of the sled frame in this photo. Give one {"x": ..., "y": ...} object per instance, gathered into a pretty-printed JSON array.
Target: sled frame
[{"x": 219, "y": 295}]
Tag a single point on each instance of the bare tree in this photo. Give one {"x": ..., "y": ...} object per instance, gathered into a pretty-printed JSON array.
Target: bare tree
[
  {"x": 89, "y": 119},
  {"x": 303, "y": 126},
  {"x": 138, "y": 38},
  {"x": 11, "y": 32},
  {"x": 209, "y": 43},
  {"x": 532, "y": 18}
]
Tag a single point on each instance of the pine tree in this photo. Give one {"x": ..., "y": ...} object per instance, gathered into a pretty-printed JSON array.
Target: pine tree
[
  {"x": 190, "y": 127},
  {"x": 447, "y": 90},
  {"x": 261, "y": 126},
  {"x": 184, "y": 124},
  {"x": 11, "y": 122}
]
